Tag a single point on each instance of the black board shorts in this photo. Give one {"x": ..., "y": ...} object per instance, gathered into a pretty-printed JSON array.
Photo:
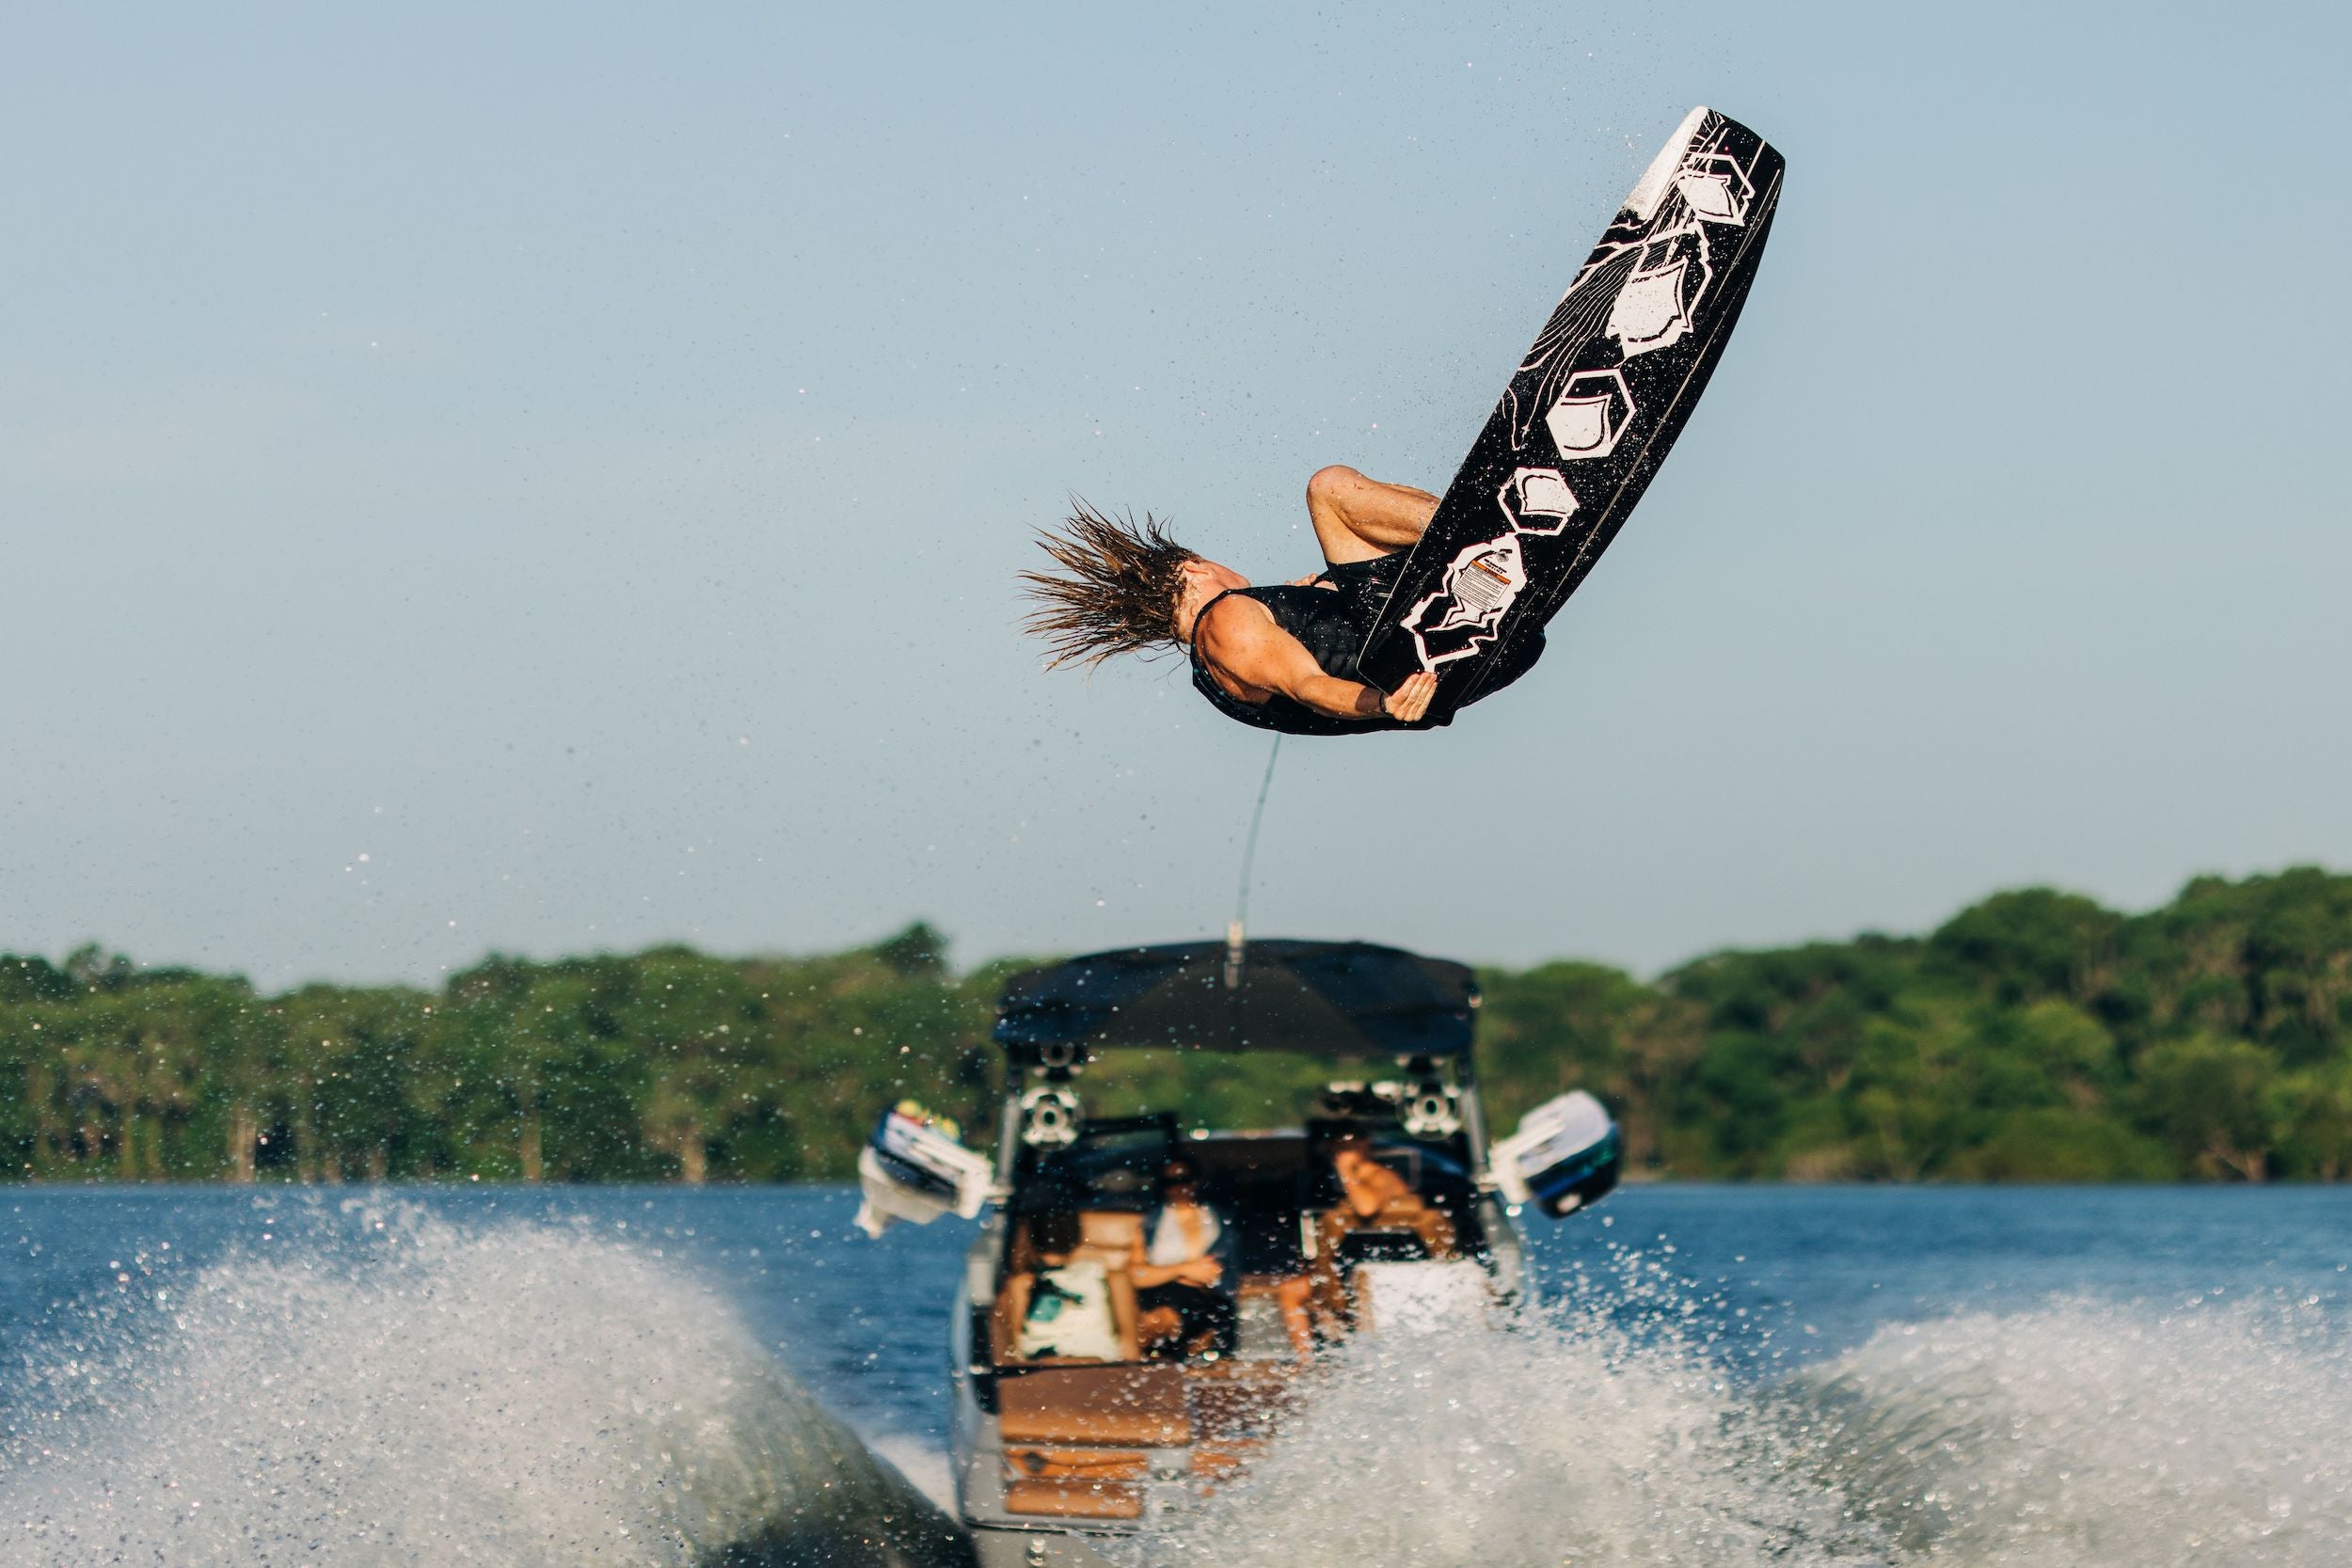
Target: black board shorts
[{"x": 1363, "y": 588}]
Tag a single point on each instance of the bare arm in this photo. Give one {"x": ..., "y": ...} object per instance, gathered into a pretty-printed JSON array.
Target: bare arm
[
  {"x": 1143, "y": 1272},
  {"x": 1200, "y": 1269},
  {"x": 1192, "y": 1271},
  {"x": 1373, "y": 1188},
  {"x": 1248, "y": 646}
]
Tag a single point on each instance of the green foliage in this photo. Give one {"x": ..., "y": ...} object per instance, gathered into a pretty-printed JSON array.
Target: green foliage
[
  {"x": 2210, "y": 1102},
  {"x": 2035, "y": 1036},
  {"x": 920, "y": 949},
  {"x": 665, "y": 1065},
  {"x": 2034, "y": 941}
]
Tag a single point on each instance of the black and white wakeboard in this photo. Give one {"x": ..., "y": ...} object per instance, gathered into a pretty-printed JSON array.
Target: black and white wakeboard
[{"x": 1590, "y": 413}]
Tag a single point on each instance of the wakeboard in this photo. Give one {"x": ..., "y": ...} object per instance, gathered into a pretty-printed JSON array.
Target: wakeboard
[{"x": 1589, "y": 415}]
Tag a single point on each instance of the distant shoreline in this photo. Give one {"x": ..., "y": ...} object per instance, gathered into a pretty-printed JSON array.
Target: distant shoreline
[
  {"x": 847, "y": 1190},
  {"x": 2035, "y": 1038}
]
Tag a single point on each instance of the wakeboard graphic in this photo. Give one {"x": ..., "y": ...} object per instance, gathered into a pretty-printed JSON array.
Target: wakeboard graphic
[{"x": 1590, "y": 413}]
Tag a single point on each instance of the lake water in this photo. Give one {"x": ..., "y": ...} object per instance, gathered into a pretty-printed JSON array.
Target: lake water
[{"x": 1805, "y": 1375}]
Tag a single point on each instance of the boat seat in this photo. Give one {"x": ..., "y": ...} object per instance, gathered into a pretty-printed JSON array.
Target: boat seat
[
  {"x": 1224, "y": 1459},
  {"x": 1070, "y": 1498},
  {"x": 1236, "y": 1409},
  {"x": 1142, "y": 1406},
  {"x": 1030, "y": 1460}
]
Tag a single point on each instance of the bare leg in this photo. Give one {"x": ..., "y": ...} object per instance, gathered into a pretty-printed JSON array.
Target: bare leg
[
  {"x": 1329, "y": 1292},
  {"x": 1158, "y": 1324},
  {"x": 1356, "y": 518},
  {"x": 1297, "y": 1322},
  {"x": 1017, "y": 1292}
]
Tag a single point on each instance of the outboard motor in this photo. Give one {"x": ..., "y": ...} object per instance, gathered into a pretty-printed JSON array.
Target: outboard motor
[{"x": 1565, "y": 1156}]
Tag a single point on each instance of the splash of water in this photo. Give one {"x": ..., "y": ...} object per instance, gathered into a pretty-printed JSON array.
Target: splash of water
[
  {"x": 2096, "y": 1434},
  {"x": 2082, "y": 1435},
  {"x": 1570, "y": 1440},
  {"x": 392, "y": 1390},
  {"x": 395, "y": 1390}
]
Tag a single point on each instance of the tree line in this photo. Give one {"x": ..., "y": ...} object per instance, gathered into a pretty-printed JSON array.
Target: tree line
[{"x": 2036, "y": 1036}]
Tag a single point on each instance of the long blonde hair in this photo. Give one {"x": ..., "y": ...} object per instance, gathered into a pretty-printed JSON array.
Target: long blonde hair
[{"x": 1120, "y": 590}]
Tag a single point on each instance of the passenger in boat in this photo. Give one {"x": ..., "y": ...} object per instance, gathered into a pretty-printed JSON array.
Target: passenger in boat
[
  {"x": 1184, "y": 1301},
  {"x": 1371, "y": 1198},
  {"x": 1277, "y": 657},
  {"x": 1068, "y": 1305}
]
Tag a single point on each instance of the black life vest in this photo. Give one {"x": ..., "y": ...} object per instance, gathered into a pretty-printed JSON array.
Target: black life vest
[{"x": 1332, "y": 624}]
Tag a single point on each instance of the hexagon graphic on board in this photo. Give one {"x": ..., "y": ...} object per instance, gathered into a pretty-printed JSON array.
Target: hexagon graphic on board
[
  {"x": 1538, "y": 500},
  {"x": 1591, "y": 412},
  {"x": 1654, "y": 308},
  {"x": 1649, "y": 312},
  {"x": 1716, "y": 188}
]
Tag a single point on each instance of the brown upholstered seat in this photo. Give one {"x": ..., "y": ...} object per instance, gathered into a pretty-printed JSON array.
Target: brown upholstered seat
[
  {"x": 1082, "y": 1464},
  {"x": 1240, "y": 1407},
  {"x": 1224, "y": 1459},
  {"x": 1076, "y": 1500},
  {"x": 1140, "y": 1405}
]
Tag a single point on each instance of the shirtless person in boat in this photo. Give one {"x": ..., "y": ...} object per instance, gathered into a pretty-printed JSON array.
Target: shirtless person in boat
[
  {"x": 1279, "y": 658},
  {"x": 1371, "y": 1198}
]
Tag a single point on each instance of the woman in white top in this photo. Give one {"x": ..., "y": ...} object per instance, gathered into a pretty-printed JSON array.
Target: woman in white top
[
  {"x": 1066, "y": 1305},
  {"x": 1180, "y": 1268}
]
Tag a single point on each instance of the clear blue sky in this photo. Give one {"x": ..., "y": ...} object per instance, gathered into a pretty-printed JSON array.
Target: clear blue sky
[{"x": 576, "y": 459}]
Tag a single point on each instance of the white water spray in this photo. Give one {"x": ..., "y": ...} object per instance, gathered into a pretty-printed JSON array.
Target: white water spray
[
  {"x": 2094, "y": 1434},
  {"x": 1568, "y": 1441},
  {"x": 392, "y": 1390},
  {"x": 2079, "y": 1436}
]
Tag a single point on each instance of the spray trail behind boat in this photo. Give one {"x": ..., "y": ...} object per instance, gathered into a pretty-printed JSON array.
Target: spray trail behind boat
[
  {"x": 2083, "y": 1434},
  {"x": 384, "y": 1389}
]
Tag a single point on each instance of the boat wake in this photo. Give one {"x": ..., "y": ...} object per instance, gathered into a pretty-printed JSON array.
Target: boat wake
[
  {"x": 2089, "y": 1432},
  {"x": 373, "y": 1388},
  {"x": 2082, "y": 1434},
  {"x": 380, "y": 1387}
]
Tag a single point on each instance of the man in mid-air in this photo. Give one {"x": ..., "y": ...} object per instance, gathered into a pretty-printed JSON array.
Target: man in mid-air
[{"x": 1279, "y": 658}]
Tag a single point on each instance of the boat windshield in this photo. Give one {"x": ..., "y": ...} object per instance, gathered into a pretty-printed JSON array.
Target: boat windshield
[{"x": 1232, "y": 1091}]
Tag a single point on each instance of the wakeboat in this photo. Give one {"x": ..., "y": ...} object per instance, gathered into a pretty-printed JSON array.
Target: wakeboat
[{"x": 1103, "y": 1427}]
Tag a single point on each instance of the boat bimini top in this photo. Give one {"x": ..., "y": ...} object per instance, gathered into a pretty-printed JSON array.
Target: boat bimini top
[{"x": 1307, "y": 998}]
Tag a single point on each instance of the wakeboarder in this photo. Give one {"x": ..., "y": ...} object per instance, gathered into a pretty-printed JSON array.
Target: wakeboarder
[{"x": 1277, "y": 657}]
